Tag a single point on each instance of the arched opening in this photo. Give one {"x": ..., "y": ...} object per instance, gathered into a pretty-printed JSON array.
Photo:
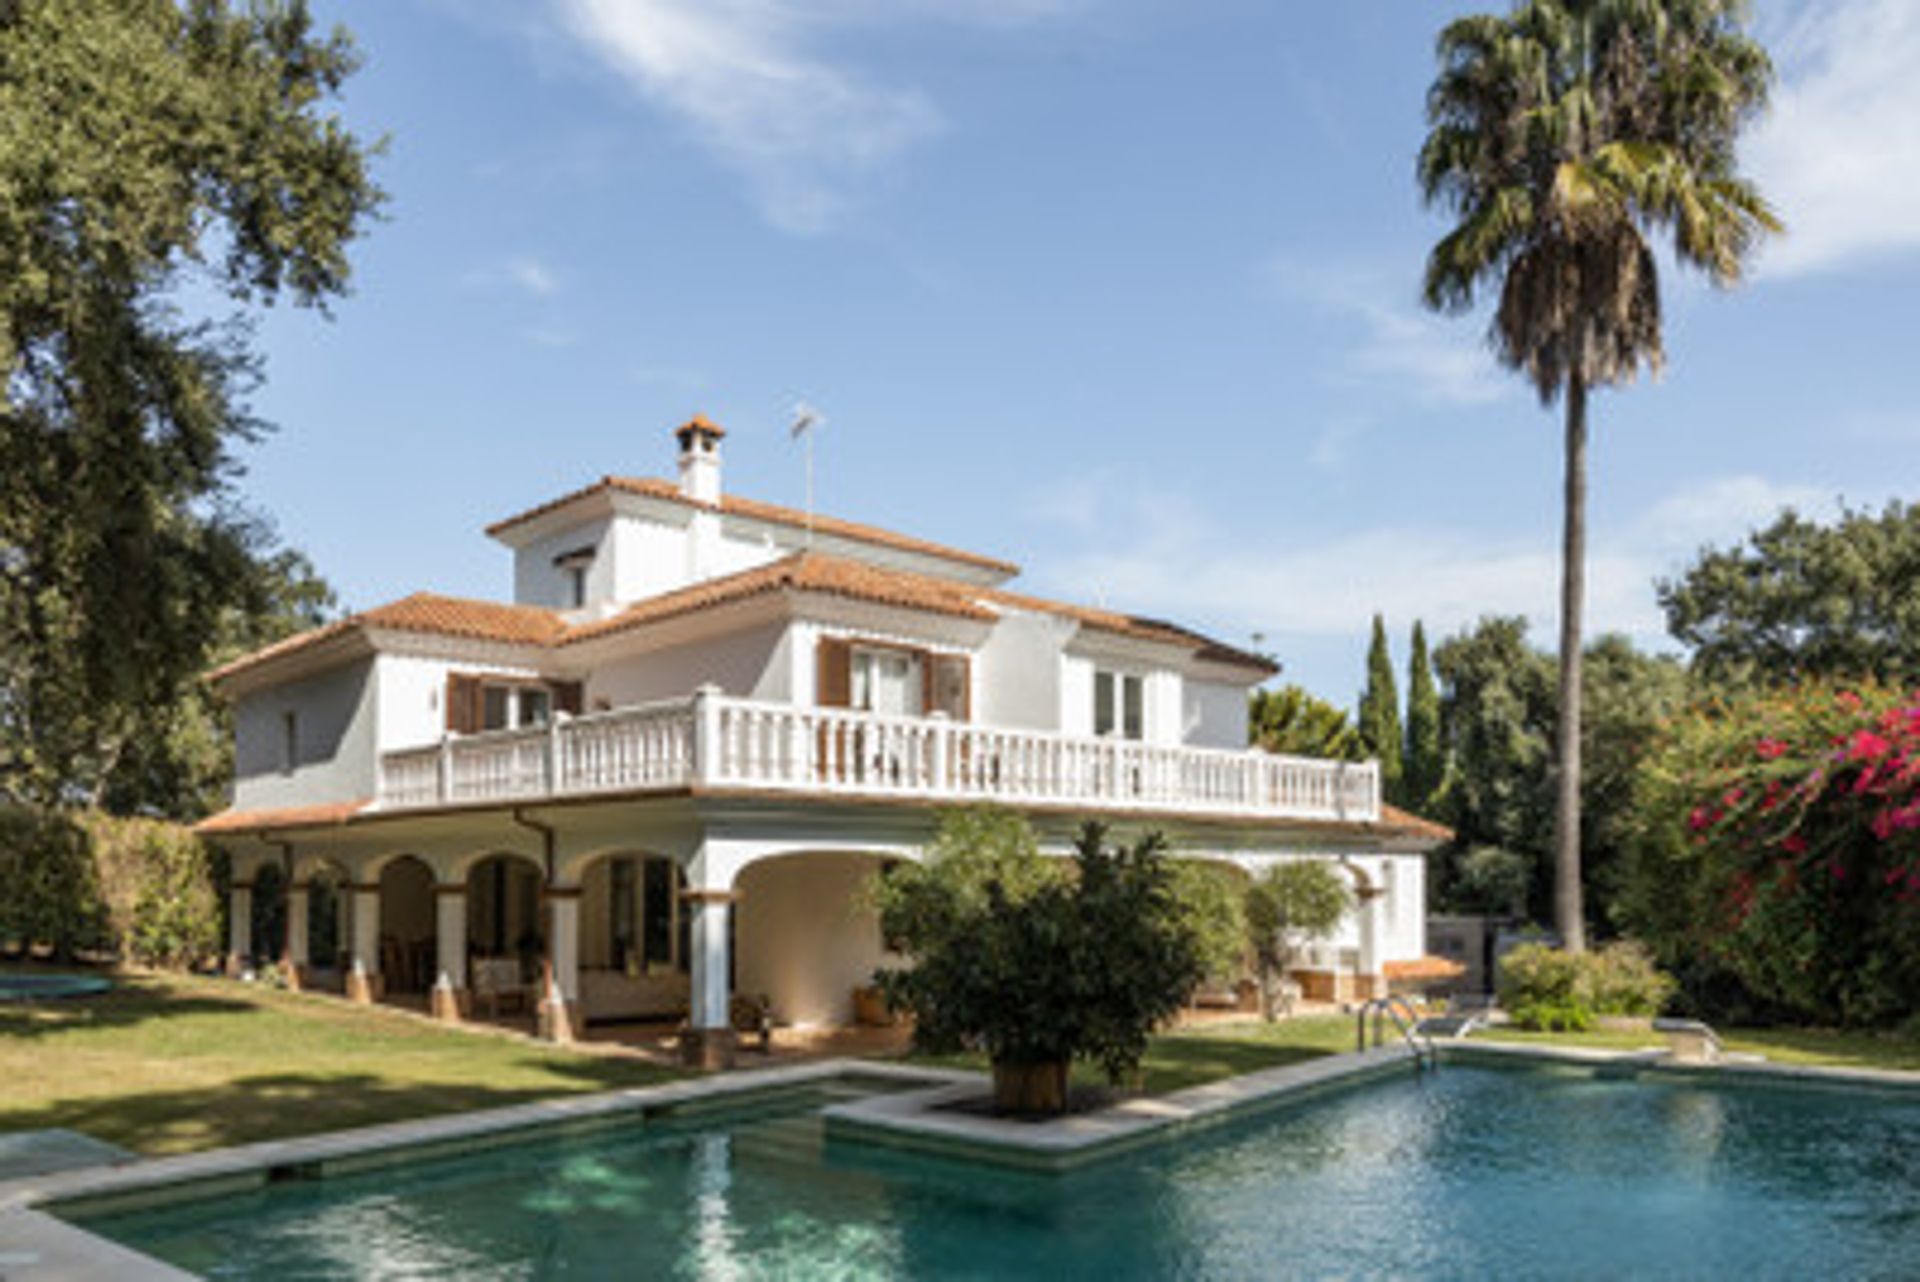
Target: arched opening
[
  {"x": 804, "y": 941},
  {"x": 329, "y": 925},
  {"x": 633, "y": 940},
  {"x": 408, "y": 934},
  {"x": 269, "y": 914},
  {"x": 506, "y": 933}
]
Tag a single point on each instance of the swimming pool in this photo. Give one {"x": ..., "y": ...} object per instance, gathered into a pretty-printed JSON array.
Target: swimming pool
[{"x": 1466, "y": 1173}]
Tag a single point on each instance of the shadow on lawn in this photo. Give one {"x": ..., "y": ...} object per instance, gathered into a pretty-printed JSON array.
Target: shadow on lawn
[
  {"x": 283, "y": 1105},
  {"x": 1175, "y": 1063},
  {"x": 131, "y": 1001}
]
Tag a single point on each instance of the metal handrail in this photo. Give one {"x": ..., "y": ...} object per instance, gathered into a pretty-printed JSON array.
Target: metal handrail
[{"x": 1407, "y": 1020}]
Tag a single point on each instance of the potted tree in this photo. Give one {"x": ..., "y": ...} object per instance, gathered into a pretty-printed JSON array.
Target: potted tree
[
  {"x": 1038, "y": 962},
  {"x": 1291, "y": 905}
]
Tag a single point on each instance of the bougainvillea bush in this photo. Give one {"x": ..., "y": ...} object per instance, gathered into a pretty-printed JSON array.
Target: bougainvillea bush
[{"x": 1779, "y": 844}]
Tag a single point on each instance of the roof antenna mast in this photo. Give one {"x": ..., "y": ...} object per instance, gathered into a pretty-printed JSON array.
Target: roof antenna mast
[{"x": 805, "y": 420}]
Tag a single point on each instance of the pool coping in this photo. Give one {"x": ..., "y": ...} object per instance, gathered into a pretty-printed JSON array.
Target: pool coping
[
  {"x": 37, "y": 1246},
  {"x": 927, "y": 1121},
  {"x": 63, "y": 1252}
]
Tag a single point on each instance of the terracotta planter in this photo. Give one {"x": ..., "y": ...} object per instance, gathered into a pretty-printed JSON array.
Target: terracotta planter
[
  {"x": 1030, "y": 1089},
  {"x": 870, "y": 1008}
]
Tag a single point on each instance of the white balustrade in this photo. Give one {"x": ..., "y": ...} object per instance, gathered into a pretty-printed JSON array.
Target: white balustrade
[{"x": 716, "y": 741}]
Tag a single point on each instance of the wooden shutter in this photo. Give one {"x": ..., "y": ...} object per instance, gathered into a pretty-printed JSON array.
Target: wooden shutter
[
  {"x": 566, "y": 696},
  {"x": 833, "y": 685},
  {"x": 464, "y": 707}
]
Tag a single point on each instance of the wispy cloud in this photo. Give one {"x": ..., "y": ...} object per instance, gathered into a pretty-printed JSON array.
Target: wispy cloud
[
  {"x": 1157, "y": 552},
  {"x": 1840, "y": 153},
  {"x": 522, "y": 272},
  {"x": 1438, "y": 361}
]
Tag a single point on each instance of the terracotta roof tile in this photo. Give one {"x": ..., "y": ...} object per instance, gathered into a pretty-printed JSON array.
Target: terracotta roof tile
[
  {"x": 804, "y": 572},
  {"x": 422, "y": 612},
  {"x": 773, "y": 513},
  {"x": 318, "y": 816},
  {"x": 425, "y": 612},
  {"x": 1428, "y": 967},
  {"x": 1407, "y": 821}
]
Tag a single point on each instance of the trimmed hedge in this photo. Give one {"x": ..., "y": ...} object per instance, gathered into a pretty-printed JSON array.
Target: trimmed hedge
[{"x": 145, "y": 890}]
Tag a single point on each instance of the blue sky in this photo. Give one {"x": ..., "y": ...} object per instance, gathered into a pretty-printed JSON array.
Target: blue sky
[{"x": 1123, "y": 290}]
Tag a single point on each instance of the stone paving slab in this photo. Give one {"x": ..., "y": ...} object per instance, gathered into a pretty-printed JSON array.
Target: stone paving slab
[
  {"x": 928, "y": 1120},
  {"x": 38, "y": 1248},
  {"x": 25, "y": 1153},
  {"x": 1660, "y": 1063}
]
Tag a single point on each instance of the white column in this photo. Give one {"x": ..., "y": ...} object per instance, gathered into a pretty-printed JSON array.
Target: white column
[
  {"x": 710, "y": 961},
  {"x": 450, "y": 931},
  {"x": 297, "y": 921},
  {"x": 560, "y": 1004},
  {"x": 363, "y": 978},
  {"x": 239, "y": 925},
  {"x": 1367, "y": 976}
]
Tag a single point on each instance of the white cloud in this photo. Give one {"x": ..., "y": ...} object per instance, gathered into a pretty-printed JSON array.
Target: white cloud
[
  {"x": 741, "y": 74},
  {"x": 522, "y": 272},
  {"x": 1437, "y": 360},
  {"x": 1159, "y": 554},
  {"x": 1840, "y": 153}
]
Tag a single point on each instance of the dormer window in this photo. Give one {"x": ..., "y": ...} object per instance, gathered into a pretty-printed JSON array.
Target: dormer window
[{"x": 573, "y": 567}]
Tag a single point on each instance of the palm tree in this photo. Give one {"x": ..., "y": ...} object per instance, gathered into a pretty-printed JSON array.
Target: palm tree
[{"x": 1561, "y": 137}]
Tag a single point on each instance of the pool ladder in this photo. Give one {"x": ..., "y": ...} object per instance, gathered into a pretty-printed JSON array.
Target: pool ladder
[{"x": 1407, "y": 1020}]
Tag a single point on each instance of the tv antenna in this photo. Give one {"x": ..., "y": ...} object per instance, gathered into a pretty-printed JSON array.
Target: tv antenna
[{"x": 805, "y": 420}]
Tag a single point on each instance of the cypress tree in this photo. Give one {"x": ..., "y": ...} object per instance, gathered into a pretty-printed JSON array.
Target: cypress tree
[
  {"x": 1424, "y": 768},
  {"x": 1380, "y": 713}
]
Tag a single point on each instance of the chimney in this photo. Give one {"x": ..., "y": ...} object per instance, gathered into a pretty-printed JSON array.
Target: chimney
[{"x": 699, "y": 458}]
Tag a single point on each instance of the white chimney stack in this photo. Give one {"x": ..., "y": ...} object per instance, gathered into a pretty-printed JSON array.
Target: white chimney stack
[{"x": 700, "y": 458}]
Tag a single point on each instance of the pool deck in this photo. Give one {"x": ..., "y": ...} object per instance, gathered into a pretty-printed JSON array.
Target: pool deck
[{"x": 36, "y": 1246}]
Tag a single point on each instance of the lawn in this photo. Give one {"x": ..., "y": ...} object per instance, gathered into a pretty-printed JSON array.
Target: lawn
[
  {"x": 1821, "y": 1047},
  {"x": 172, "y": 1064},
  {"x": 1196, "y": 1056}
]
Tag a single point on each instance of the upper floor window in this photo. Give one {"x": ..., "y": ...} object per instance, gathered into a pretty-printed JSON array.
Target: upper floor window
[
  {"x": 1119, "y": 704},
  {"x": 892, "y": 680},
  {"x": 289, "y": 741},
  {"x": 476, "y": 703},
  {"x": 573, "y": 567}
]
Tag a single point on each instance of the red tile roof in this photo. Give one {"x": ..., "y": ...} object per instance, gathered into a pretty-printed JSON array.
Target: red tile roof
[
  {"x": 1410, "y": 822},
  {"x": 801, "y": 572},
  {"x": 318, "y": 816},
  {"x": 773, "y": 513}
]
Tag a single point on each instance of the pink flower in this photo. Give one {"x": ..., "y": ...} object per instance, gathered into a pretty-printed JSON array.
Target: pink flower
[
  {"x": 1699, "y": 818},
  {"x": 1883, "y": 825},
  {"x": 1794, "y": 844},
  {"x": 1770, "y": 749},
  {"x": 1866, "y": 746}
]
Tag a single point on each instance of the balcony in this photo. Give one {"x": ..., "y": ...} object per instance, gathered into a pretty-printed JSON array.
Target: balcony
[{"x": 714, "y": 741}]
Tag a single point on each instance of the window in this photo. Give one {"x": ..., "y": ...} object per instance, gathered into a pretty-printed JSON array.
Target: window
[
  {"x": 289, "y": 741},
  {"x": 622, "y": 891},
  {"x": 576, "y": 586},
  {"x": 511, "y": 707},
  {"x": 886, "y": 681},
  {"x": 1119, "y": 704},
  {"x": 657, "y": 926}
]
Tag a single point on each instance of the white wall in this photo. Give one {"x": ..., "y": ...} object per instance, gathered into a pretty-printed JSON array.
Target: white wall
[
  {"x": 1017, "y": 672},
  {"x": 335, "y": 754},
  {"x": 750, "y": 664},
  {"x": 799, "y": 939},
  {"x": 413, "y": 693},
  {"x": 538, "y": 581},
  {"x": 1213, "y": 714}
]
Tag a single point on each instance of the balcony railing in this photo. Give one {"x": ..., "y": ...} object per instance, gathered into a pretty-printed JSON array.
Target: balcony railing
[{"x": 714, "y": 741}]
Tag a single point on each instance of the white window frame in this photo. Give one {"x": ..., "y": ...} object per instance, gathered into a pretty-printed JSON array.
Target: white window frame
[
  {"x": 517, "y": 695},
  {"x": 1119, "y": 682},
  {"x": 863, "y": 660}
]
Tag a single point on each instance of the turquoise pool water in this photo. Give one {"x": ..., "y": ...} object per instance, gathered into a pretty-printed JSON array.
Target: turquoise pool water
[{"x": 1467, "y": 1173}]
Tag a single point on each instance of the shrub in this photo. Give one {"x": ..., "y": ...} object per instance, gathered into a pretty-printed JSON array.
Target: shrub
[
  {"x": 1293, "y": 904},
  {"x": 1038, "y": 962},
  {"x": 1545, "y": 988},
  {"x": 1779, "y": 844},
  {"x": 145, "y": 889}
]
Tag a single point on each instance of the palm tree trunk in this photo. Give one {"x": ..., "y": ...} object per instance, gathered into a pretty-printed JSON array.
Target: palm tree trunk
[{"x": 1568, "y": 913}]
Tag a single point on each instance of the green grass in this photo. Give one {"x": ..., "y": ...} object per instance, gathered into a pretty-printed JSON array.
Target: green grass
[
  {"x": 1196, "y": 1056},
  {"x": 173, "y": 1064},
  {"x": 1820, "y": 1047}
]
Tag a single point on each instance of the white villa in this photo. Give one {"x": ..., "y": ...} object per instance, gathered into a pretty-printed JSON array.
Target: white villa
[{"x": 660, "y": 776}]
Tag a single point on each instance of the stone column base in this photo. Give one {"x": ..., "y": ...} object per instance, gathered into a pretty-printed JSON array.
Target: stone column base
[
  {"x": 364, "y": 989},
  {"x": 236, "y": 965},
  {"x": 449, "y": 1004},
  {"x": 559, "y": 1021},
  {"x": 708, "y": 1049},
  {"x": 291, "y": 974}
]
